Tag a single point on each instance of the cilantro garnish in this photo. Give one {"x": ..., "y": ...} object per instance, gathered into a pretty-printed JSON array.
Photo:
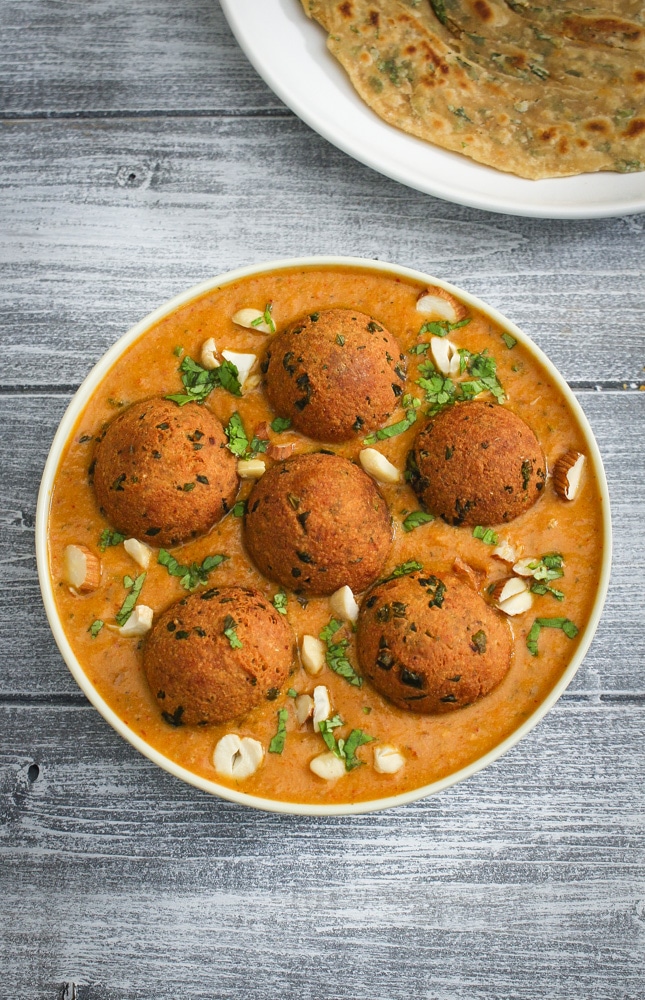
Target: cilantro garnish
[
  {"x": 565, "y": 624},
  {"x": 441, "y": 328},
  {"x": 178, "y": 351},
  {"x": 280, "y": 424},
  {"x": 416, "y": 519},
  {"x": 108, "y": 538},
  {"x": 484, "y": 369},
  {"x": 193, "y": 576},
  {"x": 326, "y": 728},
  {"x": 344, "y": 749},
  {"x": 277, "y": 743},
  {"x": 439, "y": 391},
  {"x": 128, "y": 605},
  {"x": 487, "y": 535},
  {"x": 239, "y": 509},
  {"x": 292, "y": 693},
  {"x": 95, "y": 628},
  {"x": 230, "y": 631},
  {"x": 545, "y": 588},
  {"x": 280, "y": 602},
  {"x": 509, "y": 340},
  {"x": 420, "y": 348},
  {"x": 199, "y": 382},
  {"x": 411, "y": 566},
  {"x": 266, "y": 318},
  {"x": 412, "y": 404},
  {"x": 238, "y": 442},
  {"x": 336, "y": 654}
]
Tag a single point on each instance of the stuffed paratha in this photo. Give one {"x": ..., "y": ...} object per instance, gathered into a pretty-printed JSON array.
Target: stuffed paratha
[{"x": 539, "y": 92}]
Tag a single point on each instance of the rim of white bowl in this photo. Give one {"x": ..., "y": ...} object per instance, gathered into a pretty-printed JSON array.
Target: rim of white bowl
[{"x": 67, "y": 424}]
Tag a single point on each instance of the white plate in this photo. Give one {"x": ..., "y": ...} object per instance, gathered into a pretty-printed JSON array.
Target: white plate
[{"x": 289, "y": 52}]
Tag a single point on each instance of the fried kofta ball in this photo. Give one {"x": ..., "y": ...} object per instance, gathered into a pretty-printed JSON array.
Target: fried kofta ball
[
  {"x": 336, "y": 374},
  {"x": 163, "y": 473},
  {"x": 317, "y": 522},
  {"x": 477, "y": 463},
  {"x": 431, "y": 645},
  {"x": 214, "y": 655}
]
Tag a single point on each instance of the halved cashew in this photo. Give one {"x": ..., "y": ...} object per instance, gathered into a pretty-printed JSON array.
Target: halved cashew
[
  {"x": 526, "y": 566},
  {"x": 445, "y": 355},
  {"x": 304, "y": 708},
  {"x": 139, "y": 622},
  {"x": 513, "y": 596},
  {"x": 312, "y": 653},
  {"x": 388, "y": 759},
  {"x": 139, "y": 551},
  {"x": 567, "y": 475},
  {"x": 343, "y": 604},
  {"x": 81, "y": 568},
  {"x": 378, "y": 466},
  {"x": 208, "y": 356},
  {"x": 505, "y": 551},
  {"x": 243, "y": 362},
  {"x": 237, "y": 758},
  {"x": 322, "y": 706},
  {"x": 327, "y": 766},
  {"x": 438, "y": 302},
  {"x": 251, "y": 468},
  {"x": 248, "y": 318}
]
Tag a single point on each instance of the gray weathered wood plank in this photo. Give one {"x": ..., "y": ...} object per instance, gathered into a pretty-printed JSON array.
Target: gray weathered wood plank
[
  {"x": 87, "y": 250},
  {"x": 524, "y": 882},
  {"x": 613, "y": 666},
  {"x": 136, "y": 57}
]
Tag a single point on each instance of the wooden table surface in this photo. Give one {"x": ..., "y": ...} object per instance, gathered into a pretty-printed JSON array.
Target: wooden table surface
[{"x": 140, "y": 154}]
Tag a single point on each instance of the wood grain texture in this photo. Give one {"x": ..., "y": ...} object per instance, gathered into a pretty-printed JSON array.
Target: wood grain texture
[
  {"x": 168, "y": 160},
  {"x": 525, "y": 881},
  {"x": 149, "y": 55},
  {"x": 104, "y": 220}
]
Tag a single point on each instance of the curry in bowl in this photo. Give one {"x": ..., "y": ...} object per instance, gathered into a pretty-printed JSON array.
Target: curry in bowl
[{"x": 326, "y": 535}]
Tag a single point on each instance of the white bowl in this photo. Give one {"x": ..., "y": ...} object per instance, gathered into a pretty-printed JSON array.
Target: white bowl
[{"x": 67, "y": 424}]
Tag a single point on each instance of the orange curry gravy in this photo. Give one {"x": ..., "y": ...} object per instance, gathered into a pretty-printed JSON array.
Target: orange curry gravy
[{"x": 434, "y": 746}]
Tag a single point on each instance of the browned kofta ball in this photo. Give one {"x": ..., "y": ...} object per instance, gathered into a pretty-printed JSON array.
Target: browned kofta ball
[
  {"x": 317, "y": 522},
  {"x": 478, "y": 463},
  {"x": 163, "y": 473},
  {"x": 335, "y": 373},
  {"x": 431, "y": 645},
  {"x": 214, "y": 655}
]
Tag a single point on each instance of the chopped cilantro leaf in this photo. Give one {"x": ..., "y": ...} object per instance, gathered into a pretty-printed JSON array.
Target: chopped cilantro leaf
[
  {"x": 487, "y": 535},
  {"x": 128, "y": 581},
  {"x": 199, "y": 382},
  {"x": 280, "y": 424},
  {"x": 266, "y": 318},
  {"x": 193, "y": 576},
  {"x": 178, "y": 351},
  {"x": 326, "y": 729},
  {"x": 230, "y": 631},
  {"x": 258, "y": 446},
  {"x": 441, "y": 328},
  {"x": 95, "y": 628},
  {"x": 128, "y": 605},
  {"x": 336, "y": 653},
  {"x": 412, "y": 404},
  {"x": 509, "y": 340},
  {"x": 411, "y": 566},
  {"x": 108, "y": 538},
  {"x": 239, "y": 509},
  {"x": 238, "y": 442},
  {"x": 416, "y": 519},
  {"x": 280, "y": 602},
  {"x": 292, "y": 693},
  {"x": 439, "y": 391},
  {"x": 277, "y": 743},
  {"x": 357, "y": 738},
  {"x": 565, "y": 624}
]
